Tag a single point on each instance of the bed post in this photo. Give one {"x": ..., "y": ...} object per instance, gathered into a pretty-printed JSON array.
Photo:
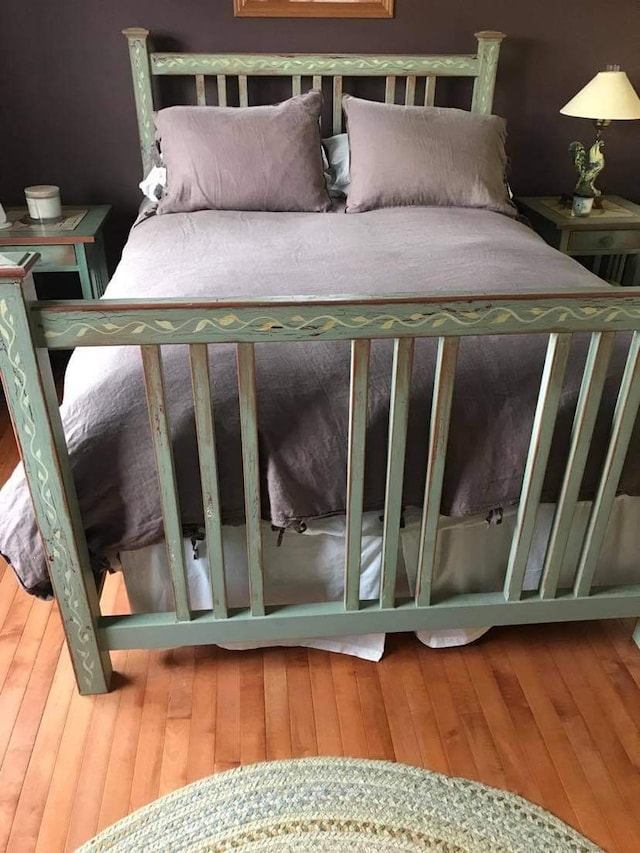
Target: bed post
[
  {"x": 636, "y": 634},
  {"x": 484, "y": 84},
  {"x": 31, "y": 397},
  {"x": 141, "y": 73}
]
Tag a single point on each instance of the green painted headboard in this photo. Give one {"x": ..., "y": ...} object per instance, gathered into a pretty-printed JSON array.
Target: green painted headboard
[{"x": 481, "y": 66}]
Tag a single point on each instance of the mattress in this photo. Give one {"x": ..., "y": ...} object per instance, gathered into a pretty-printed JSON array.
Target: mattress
[
  {"x": 471, "y": 556},
  {"x": 303, "y": 389}
]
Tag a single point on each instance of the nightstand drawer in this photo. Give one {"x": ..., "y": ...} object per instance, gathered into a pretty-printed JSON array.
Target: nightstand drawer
[
  {"x": 51, "y": 257},
  {"x": 581, "y": 242}
]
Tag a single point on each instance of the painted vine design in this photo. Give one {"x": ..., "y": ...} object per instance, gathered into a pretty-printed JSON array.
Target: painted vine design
[
  {"x": 441, "y": 320},
  {"x": 69, "y": 591},
  {"x": 309, "y": 65}
]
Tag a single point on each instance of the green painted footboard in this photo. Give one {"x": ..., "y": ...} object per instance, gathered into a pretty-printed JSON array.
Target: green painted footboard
[{"x": 28, "y": 330}]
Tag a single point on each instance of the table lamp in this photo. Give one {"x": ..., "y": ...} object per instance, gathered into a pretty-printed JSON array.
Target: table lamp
[{"x": 608, "y": 97}]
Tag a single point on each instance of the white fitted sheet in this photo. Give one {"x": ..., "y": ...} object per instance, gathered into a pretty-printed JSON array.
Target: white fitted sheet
[{"x": 472, "y": 557}]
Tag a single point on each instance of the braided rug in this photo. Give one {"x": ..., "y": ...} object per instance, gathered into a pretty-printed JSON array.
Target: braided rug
[{"x": 339, "y": 804}]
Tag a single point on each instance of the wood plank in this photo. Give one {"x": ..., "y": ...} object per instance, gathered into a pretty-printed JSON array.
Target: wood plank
[
  {"x": 536, "y": 466},
  {"x": 595, "y": 373},
  {"x": 390, "y": 89},
  {"x": 374, "y": 717},
  {"x": 207, "y": 456},
  {"x": 163, "y": 454},
  {"x": 228, "y": 702},
  {"x": 221, "y": 80},
  {"x": 243, "y": 90},
  {"x": 276, "y": 705},
  {"x": 37, "y": 779},
  {"x": 539, "y": 757},
  {"x": 398, "y": 420},
  {"x": 303, "y": 731},
  {"x": 358, "y": 397},
  {"x": 175, "y": 750},
  {"x": 534, "y": 682},
  {"x": 325, "y": 710},
  {"x": 202, "y": 742},
  {"x": 201, "y": 92},
  {"x": 347, "y": 695},
  {"x": 337, "y": 104},
  {"x": 253, "y": 734},
  {"x": 438, "y": 438},
  {"x": 115, "y": 802},
  {"x": 429, "y": 91},
  {"x": 251, "y": 473},
  {"x": 624, "y": 418},
  {"x": 24, "y": 729},
  {"x": 410, "y": 91}
]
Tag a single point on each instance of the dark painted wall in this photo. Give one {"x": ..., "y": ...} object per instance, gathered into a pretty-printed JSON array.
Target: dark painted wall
[{"x": 66, "y": 104}]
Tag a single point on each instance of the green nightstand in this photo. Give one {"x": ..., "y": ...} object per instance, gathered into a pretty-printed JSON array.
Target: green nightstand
[
  {"x": 608, "y": 239},
  {"x": 73, "y": 245}
]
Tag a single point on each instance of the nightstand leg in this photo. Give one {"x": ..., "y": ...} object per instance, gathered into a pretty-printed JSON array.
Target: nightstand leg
[
  {"x": 97, "y": 264},
  {"x": 83, "y": 272}
]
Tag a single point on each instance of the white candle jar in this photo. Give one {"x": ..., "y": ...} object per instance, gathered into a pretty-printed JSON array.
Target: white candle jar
[{"x": 43, "y": 202}]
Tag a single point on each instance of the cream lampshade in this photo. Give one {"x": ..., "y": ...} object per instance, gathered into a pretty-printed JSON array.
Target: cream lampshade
[{"x": 608, "y": 97}]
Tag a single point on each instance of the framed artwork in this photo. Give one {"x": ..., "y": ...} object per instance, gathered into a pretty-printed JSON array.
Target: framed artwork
[{"x": 313, "y": 8}]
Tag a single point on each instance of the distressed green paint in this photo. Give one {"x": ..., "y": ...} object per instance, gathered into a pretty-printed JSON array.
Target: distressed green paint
[
  {"x": 484, "y": 84},
  {"x": 360, "y": 351},
  {"x": 134, "y": 321},
  {"x": 438, "y": 438},
  {"x": 205, "y": 432},
  {"x": 161, "y": 438},
  {"x": 337, "y": 104},
  {"x": 536, "y": 466},
  {"x": 593, "y": 380},
  {"x": 251, "y": 473},
  {"x": 410, "y": 90},
  {"x": 156, "y": 630},
  {"x": 346, "y": 65},
  {"x": 140, "y": 71},
  {"x": 398, "y": 420},
  {"x": 32, "y": 401},
  {"x": 623, "y": 422}
]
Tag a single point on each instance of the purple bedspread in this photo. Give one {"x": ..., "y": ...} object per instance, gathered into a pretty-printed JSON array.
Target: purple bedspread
[{"x": 303, "y": 388}]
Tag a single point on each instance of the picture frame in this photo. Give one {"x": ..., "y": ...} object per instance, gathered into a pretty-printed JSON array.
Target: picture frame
[{"x": 313, "y": 8}]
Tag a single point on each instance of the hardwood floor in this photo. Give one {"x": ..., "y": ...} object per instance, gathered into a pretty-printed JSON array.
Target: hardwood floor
[{"x": 550, "y": 712}]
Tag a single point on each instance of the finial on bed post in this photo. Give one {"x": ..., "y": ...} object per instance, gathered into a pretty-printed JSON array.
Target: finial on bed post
[
  {"x": 141, "y": 73},
  {"x": 484, "y": 84}
]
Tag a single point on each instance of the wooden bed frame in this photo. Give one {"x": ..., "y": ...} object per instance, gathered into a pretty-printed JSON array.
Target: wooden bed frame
[{"x": 29, "y": 329}]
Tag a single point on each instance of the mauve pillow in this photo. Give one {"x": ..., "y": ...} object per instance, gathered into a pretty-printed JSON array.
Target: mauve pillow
[
  {"x": 243, "y": 158},
  {"x": 424, "y": 156}
]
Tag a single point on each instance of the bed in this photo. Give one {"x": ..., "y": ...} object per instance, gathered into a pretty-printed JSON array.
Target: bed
[{"x": 446, "y": 374}]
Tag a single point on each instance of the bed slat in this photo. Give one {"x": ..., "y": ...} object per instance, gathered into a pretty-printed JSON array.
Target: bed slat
[
  {"x": 390, "y": 89},
  {"x": 201, "y": 92},
  {"x": 438, "y": 439},
  {"x": 429, "y": 91},
  {"x": 360, "y": 351},
  {"x": 536, "y": 466},
  {"x": 398, "y": 419},
  {"x": 251, "y": 473},
  {"x": 205, "y": 431},
  {"x": 624, "y": 419},
  {"x": 337, "y": 104},
  {"x": 317, "y": 81},
  {"x": 410, "y": 91},
  {"x": 243, "y": 90},
  {"x": 161, "y": 438},
  {"x": 222, "y": 89},
  {"x": 595, "y": 373},
  {"x": 296, "y": 84}
]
